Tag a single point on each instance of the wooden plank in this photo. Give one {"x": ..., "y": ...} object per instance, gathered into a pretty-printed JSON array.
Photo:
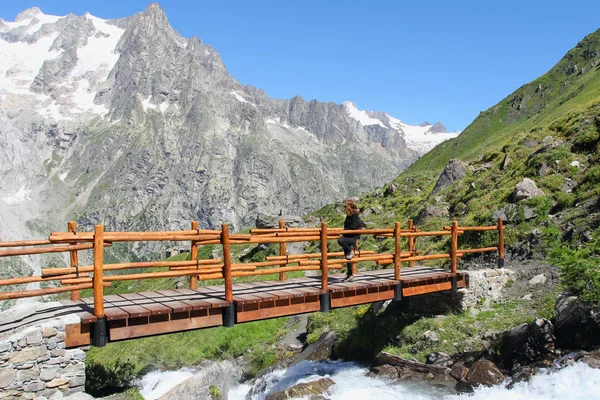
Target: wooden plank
[
  {"x": 136, "y": 311},
  {"x": 113, "y": 313},
  {"x": 266, "y": 313},
  {"x": 158, "y": 328},
  {"x": 77, "y": 335},
  {"x": 361, "y": 299}
]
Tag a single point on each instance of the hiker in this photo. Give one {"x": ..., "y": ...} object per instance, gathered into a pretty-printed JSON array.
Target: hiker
[{"x": 352, "y": 222}]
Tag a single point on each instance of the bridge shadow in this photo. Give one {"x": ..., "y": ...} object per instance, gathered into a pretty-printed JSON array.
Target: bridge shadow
[{"x": 375, "y": 331}]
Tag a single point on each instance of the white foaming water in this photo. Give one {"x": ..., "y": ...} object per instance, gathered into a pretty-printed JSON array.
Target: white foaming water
[
  {"x": 156, "y": 383},
  {"x": 572, "y": 383}
]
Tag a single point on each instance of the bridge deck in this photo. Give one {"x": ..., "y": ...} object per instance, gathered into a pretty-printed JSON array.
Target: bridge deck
[{"x": 151, "y": 313}]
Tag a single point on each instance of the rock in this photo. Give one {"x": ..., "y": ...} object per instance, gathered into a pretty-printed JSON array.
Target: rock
[
  {"x": 591, "y": 359},
  {"x": 575, "y": 164},
  {"x": 577, "y": 323},
  {"x": 319, "y": 350},
  {"x": 34, "y": 338},
  {"x": 527, "y": 343},
  {"x": 537, "y": 280},
  {"x": 513, "y": 213},
  {"x": 453, "y": 171},
  {"x": 30, "y": 374},
  {"x": 7, "y": 375},
  {"x": 505, "y": 162},
  {"x": 78, "y": 396},
  {"x": 443, "y": 380},
  {"x": 217, "y": 375},
  {"x": 430, "y": 336},
  {"x": 526, "y": 189},
  {"x": 459, "y": 372},
  {"x": 431, "y": 212},
  {"x": 438, "y": 127},
  {"x": 385, "y": 371},
  {"x": 390, "y": 189},
  {"x": 28, "y": 354},
  {"x": 312, "y": 388},
  {"x": 528, "y": 296},
  {"x": 49, "y": 331},
  {"x": 49, "y": 372},
  {"x": 484, "y": 373},
  {"x": 441, "y": 359}
]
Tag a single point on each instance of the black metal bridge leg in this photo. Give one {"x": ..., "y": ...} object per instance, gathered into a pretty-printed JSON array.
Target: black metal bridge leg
[
  {"x": 454, "y": 283},
  {"x": 229, "y": 315},
  {"x": 99, "y": 336},
  {"x": 398, "y": 292},
  {"x": 325, "y": 300},
  {"x": 500, "y": 262}
]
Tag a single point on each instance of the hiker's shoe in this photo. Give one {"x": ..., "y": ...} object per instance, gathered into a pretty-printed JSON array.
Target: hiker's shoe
[
  {"x": 349, "y": 278},
  {"x": 350, "y": 255}
]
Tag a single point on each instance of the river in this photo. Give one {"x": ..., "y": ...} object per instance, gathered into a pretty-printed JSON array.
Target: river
[{"x": 576, "y": 382}]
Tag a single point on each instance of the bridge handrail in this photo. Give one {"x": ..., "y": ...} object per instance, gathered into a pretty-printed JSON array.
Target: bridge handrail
[{"x": 76, "y": 277}]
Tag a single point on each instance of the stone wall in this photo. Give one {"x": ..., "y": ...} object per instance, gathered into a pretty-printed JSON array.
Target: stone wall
[
  {"x": 483, "y": 286},
  {"x": 35, "y": 363}
]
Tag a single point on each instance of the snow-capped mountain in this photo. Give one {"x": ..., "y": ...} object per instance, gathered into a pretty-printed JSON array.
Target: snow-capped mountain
[
  {"x": 127, "y": 123},
  {"x": 420, "y": 138}
]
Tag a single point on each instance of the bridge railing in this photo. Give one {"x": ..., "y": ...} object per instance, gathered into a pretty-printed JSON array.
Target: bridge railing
[{"x": 76, "y": 277}]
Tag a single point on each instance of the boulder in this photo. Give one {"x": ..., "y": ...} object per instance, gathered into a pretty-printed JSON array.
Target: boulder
[
  {"x": 513, "y": 213},
  {"x": 577, "y": 323},
  {"x": 527, "y": 343},
  {"x": 453, "y": 171},
  {"x": 538, "y": 280},
  {"x": 265, "y": 221},
  {"x": 322, "y": 349},
  {"x": 390, "y": 189},
  {"x": 211, "y": 377},
  {"x": 484, "y": 373},
  {"x": 385, "y": 371},
  {"x": 438, "y": 358},
  {"x": 313, "y": 388},
  {"x": 459, "y": 372},
  {"x": 526, "y": 189},
  {"x": 431, "y": 212}
]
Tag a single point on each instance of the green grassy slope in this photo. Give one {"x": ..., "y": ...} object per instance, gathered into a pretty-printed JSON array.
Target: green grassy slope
[{"x": 571, "y": 85}]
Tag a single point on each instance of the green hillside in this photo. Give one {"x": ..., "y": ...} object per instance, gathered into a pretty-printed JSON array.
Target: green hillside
[
  {"x": 570, "y": 86},
  {"x": 548, "y": 131}
]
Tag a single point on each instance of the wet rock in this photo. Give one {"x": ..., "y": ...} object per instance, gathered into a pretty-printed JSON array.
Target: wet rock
[
  {"x": 591, "y": 359},
  {"x": 385, "y": 371},
  {"x": 215, "y": 374},
  {"x": 459, "y": 372},
  {"x": 443, "y": 380},
  {"x": 318, "y": 387},
  {"x": 484, "y": 373},
  {"x": 577, "y": 324},
  {"x": 527, "y": 343},
  {"x": 322, "y": 349}
]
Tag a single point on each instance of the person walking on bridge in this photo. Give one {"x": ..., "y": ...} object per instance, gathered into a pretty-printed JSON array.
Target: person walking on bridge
[{"x": 347, "y": 241}]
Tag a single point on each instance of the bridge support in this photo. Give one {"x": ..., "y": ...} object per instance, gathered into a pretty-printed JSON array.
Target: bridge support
[
  {"x": 229, "y": 315},
  {"x": 501, "y": 263},
  {"x": 454, "y": 283},
  {"x": 99, "y": 336},
  {"x": 325, "y": 300},
  {"x": 398, "y": 292}
]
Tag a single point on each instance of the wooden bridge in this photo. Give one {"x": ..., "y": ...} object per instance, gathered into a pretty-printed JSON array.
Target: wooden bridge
[{"x": 104, "y": 318}]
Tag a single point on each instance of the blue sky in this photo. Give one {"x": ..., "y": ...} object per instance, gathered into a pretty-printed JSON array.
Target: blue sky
[{"x": 417, "y": 60}]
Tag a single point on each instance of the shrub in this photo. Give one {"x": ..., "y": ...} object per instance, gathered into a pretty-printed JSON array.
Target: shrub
[
  {"x": 101, "y": 380},
  {"x": 580, "y": 268}
]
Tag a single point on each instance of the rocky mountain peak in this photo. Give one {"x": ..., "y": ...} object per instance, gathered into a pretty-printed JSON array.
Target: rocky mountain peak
[
  {"x": 438, "y": 127},
  {"x": 28, "y": 14},
  {"x": 424, "y": 124}
]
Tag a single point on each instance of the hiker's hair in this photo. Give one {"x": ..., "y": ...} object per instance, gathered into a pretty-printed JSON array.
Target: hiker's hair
[{"x": 351, "y": 207}]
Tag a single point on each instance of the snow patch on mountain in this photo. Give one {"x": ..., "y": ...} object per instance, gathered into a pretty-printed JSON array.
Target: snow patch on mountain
[
  {"x": 420, "y": 138},
  {"x": 361, "y": 116}
]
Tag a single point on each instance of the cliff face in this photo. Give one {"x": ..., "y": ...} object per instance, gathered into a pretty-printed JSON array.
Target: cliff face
[{"x": 126, "y": 123}]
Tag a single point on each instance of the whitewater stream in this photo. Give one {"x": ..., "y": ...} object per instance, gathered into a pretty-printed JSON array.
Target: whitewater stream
[{"x": 576, "y": 382}]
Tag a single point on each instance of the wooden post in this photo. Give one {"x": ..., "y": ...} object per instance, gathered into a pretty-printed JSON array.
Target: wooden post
[
  {"x": 454, "y": 247},
  {"x": 282, "y": 252},
  {"x": 411, "y": 242},
  {"x": 500, "y": 243},
  {"x": 324, "y": 271},
  {"x": 397, "y": 250},
  {"x": 354, "y": 265},
  {"x": 98, "y": 271},
  {"x": 227, "y": 262},
  {"x": 72, "y": 227},
  {"x": 194, "y": 256}
]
